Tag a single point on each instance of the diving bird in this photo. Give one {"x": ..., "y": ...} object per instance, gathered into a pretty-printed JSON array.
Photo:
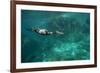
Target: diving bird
[{"x": 46, "y": 32}]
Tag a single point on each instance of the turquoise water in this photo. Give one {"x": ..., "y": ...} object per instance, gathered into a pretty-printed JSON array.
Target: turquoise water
[{"x": 74, "y": 44}]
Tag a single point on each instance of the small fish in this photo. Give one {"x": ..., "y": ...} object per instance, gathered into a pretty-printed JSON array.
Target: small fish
[{"x": 58, "y": 32}]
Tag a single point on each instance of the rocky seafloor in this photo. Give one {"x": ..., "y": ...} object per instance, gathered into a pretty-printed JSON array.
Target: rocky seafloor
[{"x": 73, "y": 45}]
